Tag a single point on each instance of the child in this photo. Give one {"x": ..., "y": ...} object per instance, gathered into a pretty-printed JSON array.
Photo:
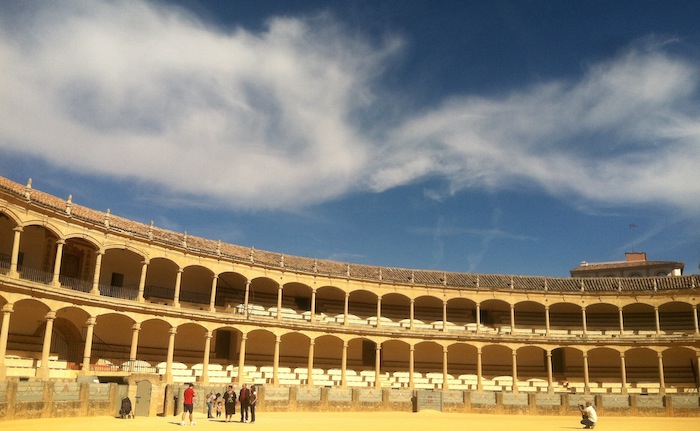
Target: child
[{"x": 219, "y": 404}]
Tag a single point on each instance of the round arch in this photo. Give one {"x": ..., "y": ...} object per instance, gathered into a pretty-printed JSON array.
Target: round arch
[{"x": 161, "y": 276}]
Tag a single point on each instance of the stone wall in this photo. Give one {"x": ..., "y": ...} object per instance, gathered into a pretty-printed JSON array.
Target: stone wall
[
  {"x": 275, "y": 399},
  {"x": 34, "y": 399}
]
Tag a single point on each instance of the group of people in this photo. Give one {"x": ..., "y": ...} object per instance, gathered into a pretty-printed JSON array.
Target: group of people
[{"x": 247, "y": 398}]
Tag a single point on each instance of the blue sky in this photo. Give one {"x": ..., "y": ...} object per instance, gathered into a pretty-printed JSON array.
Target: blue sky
[{"x": 509, "y": 137}]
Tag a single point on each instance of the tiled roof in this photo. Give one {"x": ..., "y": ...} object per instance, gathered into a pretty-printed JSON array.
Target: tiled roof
[{"x": 624, "y": 264}]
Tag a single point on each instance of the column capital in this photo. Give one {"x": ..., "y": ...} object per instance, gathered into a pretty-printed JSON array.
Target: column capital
[
  {"x": 8, "y": 308},
  {"x": 91, "y": 321},
  {"x": 136, "y": 327},
  {"x": 18, "y": 229},
  {"x": 61, "y": 241},
  {"x": 172, "y": 331},
  {"x": 51, "y": 315},
  {"x": 209, "y": 335}
]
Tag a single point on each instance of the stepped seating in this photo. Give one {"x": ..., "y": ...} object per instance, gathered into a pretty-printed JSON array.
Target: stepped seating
[
  {"x": 526, "y": 323},
  {"x": 25, "y": 366}
]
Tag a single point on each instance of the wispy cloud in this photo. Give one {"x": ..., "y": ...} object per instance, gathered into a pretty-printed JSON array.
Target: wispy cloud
[
  {"x": 627, "y": 132},
  {"x": 288, "y": 117}
]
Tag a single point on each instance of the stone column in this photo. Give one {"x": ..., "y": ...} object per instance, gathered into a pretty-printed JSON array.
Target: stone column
[
  {"x": 583, "y": 319},
  {"x": 212, "y": 298},
  {"x": 87, "y": 352},
  {"x": 512, "y": 318},
  {"x": 241, "y": 360},
  {"x": 134, "y": 344},
  {"x": 445, "y": 384},
  {"x": 346, "y": 309},
  {"x": 310, "y": 364},
  {"x": 379, "y": 311},
  {"x": 96, "y": 277},
  {"x": 142, "y": 282},
  {"x": 546, "y": 322},
  {"x": 43, "y": 371},
  {"x": 14, "y": 259},
  {"x": 276, "y": 362},
  {"x": 550, "y": 377},
  {"x": 658, "y": 321},
  {"x": 444, "y": 316},
  {"x": 515, "y": 371},
  {"x": 623, "y": 372},
  {"x": 7, "y": 310},
  {"x": 178, "y": 283},
  {"x": 478, "y": 318},
  {"x": 586, "y": 380},
  {"x": 411, "y": 365},
  {"x": 246, "y": 297},
  {"x": 279, "y": 303},
  {"x": 697, "y": 366},
  {"x": 662, "y": 380},
  {"x": 377, "y": 366},
  {"x": 169, "y": 359},
  {"x": 205, "y": 360},
  {"x": 312, "y": 318},
  {"x": 57, "y": 263},
  {"x": 695, "y": 319},
  {"x": 344, "y": 365},
  {"x": 479, "y": 374},
  {"x": 411, "y": 313},
  {"x": 622, "y": 322}
]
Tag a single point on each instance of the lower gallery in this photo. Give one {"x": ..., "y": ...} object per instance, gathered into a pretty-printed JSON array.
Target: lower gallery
[{"x": 96, "y": 308}]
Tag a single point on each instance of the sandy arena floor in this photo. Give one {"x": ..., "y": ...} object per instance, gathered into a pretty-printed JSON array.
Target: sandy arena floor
[{"x": 424, "y": 421}]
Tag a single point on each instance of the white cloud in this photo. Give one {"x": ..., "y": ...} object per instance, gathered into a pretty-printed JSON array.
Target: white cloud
[
  {"x": 278, "y": 119},
  {"x": 626, "y": 132},
  {"x": 145, "y": 91}
]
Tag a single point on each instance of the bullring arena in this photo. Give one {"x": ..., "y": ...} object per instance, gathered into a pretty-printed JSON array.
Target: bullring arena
[{"x": 96, "y": 308}]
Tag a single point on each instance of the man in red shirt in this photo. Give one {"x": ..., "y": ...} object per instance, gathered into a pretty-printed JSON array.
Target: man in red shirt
[{"x": 188, "y": 404}]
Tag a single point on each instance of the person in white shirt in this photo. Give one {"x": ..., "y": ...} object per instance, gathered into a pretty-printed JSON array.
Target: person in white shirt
[{"x": 588, "y": 415}]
